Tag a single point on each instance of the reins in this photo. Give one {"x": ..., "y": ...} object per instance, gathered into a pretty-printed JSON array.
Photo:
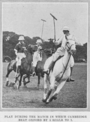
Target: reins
[{"x": 66, "y": 65}]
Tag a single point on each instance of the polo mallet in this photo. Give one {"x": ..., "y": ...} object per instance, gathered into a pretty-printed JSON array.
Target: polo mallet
[
  {"x": 42, "y": 27},
  {"x": 54, "y": 18}
]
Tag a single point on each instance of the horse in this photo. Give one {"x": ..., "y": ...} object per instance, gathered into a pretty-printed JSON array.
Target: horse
[
  {"x": 40, "y": 64},
  {"x": 59, "y": 75},
  {"x": 25, "y": 68}
]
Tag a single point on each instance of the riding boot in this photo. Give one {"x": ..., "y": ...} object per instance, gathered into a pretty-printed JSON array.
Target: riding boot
[{"x": 70, "y": 79}]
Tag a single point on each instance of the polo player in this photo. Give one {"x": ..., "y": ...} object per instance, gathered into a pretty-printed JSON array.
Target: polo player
[
  {"x": 19, "y": 51},
  {"x": 61, "y": 50},
  {"x": 37, "y": 55}
]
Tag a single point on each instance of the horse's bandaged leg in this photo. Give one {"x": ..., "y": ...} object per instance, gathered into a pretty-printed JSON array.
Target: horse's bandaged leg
[
  {"x": 52, "y": 82},
  {"x": 45, "y": 81},
  {"x": 35, "y": 59},
  {"x": 45, "y": 86},
  {"x": 60, "y": 86}
]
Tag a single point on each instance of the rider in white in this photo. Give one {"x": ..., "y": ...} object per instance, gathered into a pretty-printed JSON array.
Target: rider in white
[
  {"x": 37, "y": 55},
  {"x": 19, "y": 51},
  {"x": 61, "y": 50}
]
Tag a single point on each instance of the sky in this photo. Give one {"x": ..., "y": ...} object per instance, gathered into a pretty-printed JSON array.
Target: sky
[{"x": 25, "y": 18}]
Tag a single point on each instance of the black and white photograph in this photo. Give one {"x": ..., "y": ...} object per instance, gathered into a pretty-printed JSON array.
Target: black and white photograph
[
  {"x": 44, "y": 61},
  {"x": 44, "y": 55}
]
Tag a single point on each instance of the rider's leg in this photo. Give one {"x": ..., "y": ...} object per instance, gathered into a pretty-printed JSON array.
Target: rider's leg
[
  {"x": 55, "y": 56},
  {"x": 18, "y": 64},
  {"x": 17, "y": 69},
  {"x": 34, "y": 62},
  {"x": 71, "y": 67}
]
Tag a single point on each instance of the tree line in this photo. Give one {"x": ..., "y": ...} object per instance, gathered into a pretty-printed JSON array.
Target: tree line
[{"x": 10, "y": 39}]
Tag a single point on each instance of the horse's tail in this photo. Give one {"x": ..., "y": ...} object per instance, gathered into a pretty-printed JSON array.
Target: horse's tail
[{"x": 7, "y": 59}]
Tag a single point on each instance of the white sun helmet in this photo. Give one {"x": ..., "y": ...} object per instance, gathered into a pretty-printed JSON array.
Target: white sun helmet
[
  {"x": 38, "y": 41},
  {"x": 66, "y": 28},
  {"x": 21, "y": 38}
]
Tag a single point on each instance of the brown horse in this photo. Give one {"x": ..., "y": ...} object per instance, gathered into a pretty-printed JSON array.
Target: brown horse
[
  {"x": 40, "y": 64},
  {"x": 24, "y": 70}
]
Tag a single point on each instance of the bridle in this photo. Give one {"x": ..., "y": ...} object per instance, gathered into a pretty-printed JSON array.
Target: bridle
[
  {"x": 65, "y": 67},
  {"x": 69, "y": 48}
]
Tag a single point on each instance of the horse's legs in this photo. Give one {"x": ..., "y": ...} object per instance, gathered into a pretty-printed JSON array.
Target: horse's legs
[
  {"x": 16, "y": 79},
  {"x": 54, "y": 95},
  {"x": 45, "y": 87},
  {"x": 7, "y": 75},
  {"x": 52, "y": 87},
  {"x": 20, "y": 81},
  {"x": 26, "y": 76},
  {"x": 38, "y": 81}
]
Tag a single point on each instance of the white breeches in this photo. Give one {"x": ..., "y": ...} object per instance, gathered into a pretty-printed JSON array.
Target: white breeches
[
  {"x": 72, "y": 61},
  {"x": 36, "y": 58},
  {"x": 19, "y": 56},
  {"x": 59, "y": 52},
  {"x": 52, "y": 58}
]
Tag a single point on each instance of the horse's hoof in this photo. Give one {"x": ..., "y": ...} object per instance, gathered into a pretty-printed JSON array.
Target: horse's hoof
[
  {"x": 44, "y": 100},
  {"x": 53, "y": 98},
  {"x": 47, "y": 102}
]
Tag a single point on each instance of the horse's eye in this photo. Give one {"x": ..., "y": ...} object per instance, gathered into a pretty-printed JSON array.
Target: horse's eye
[{"x": 67, "y": 42}]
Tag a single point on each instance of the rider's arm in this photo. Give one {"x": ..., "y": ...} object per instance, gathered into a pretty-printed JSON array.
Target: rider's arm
[
  {"x": 59, "y": 41},
  {"x": 77, "y": 43}
]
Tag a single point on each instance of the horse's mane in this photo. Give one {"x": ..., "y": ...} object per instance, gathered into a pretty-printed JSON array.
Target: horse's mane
[{"x": 48, "y": 52}]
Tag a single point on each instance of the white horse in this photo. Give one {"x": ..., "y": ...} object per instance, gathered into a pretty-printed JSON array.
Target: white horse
[{"x": 61, "y": 72}]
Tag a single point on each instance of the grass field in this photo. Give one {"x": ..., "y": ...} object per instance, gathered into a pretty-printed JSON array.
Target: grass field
[{"x": 72, "y": 95}]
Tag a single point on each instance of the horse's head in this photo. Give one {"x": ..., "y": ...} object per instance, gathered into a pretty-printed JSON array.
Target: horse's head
[
  {"x": 31, "y": 48},
  {"x": 71, "y": 47},
  {"x": 48, "y": 52}
]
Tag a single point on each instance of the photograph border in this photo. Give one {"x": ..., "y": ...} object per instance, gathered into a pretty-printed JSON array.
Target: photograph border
[{"x": 88, "y": 60}]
